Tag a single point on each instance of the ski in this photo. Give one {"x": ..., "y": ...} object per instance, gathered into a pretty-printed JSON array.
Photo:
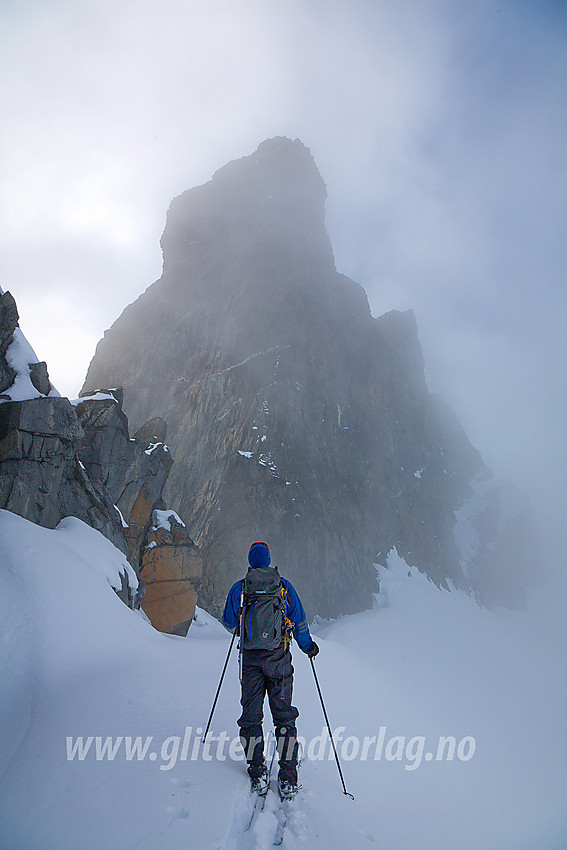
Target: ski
[
  {"x": 287, "y": 794},
  {"x": 282, "y": 816},
  {"x": 261, "y": 795},
  {"x": 258, "y": 807}
]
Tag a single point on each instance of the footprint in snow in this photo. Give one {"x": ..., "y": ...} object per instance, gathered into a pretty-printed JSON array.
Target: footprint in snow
[
  {"x": 176, "y": 813},
  {"x": 181, "y": 782}
]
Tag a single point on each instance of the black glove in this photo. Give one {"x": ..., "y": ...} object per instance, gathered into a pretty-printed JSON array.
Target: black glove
[{"x": 313, "y": 650}]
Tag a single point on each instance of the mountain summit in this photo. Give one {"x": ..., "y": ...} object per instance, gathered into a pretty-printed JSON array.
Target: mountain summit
[{"x": 294, "y": 415}]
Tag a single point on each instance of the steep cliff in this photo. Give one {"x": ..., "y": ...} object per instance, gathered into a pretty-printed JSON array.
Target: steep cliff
[{"x": 294, "y": 415}]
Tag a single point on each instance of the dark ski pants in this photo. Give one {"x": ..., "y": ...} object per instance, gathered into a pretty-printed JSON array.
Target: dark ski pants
[{"x": 268, "y": 672}]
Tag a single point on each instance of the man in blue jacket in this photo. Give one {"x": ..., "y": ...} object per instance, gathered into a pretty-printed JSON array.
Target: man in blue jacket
[{"x": 269, "y": 671}]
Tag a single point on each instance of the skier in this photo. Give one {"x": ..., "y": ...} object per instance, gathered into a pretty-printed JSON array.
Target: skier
[{"x": 266, "y": 663}]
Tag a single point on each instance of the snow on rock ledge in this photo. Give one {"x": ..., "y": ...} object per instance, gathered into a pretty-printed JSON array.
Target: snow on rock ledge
[{"x": 22, "y": 375}]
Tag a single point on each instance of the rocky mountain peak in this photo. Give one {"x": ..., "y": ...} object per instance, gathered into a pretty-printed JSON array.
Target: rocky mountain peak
[
  {"x": 276, "y": 195},
  {"x": 294, "y": 416},
  {"x": 280, "y": 168}
]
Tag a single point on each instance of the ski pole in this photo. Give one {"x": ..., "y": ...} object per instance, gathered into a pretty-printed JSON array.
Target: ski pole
[
  {"x": 345, "y": 792},
  {"x": 220, "y": 683}
]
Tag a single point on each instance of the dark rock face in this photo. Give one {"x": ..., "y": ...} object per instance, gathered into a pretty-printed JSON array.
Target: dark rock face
[
  {"x": 41, "y": 477},
  {"x": 132, "y": 471},
  {"x": 8, "y": 324},
  {"x": 294, "y": 415}
]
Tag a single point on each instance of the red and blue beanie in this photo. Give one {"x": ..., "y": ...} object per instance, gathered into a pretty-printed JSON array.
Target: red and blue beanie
[{"x": 259, "y": 555}]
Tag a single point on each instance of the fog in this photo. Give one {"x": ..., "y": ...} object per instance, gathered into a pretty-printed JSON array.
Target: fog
[{"x": 438, "y": 127}]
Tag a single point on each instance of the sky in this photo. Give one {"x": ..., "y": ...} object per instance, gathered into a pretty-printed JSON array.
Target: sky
[{"x": 439, "y": 127}]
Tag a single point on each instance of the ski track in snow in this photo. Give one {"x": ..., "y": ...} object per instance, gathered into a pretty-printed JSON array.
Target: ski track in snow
[{"x": 261, "y": 833}]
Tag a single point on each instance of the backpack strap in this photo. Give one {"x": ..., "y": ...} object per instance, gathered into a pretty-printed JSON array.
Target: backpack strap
[{"x": 288, "y": 625}]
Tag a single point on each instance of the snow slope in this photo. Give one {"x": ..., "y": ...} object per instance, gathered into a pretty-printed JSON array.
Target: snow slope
[{"x": 426, "y": 663}]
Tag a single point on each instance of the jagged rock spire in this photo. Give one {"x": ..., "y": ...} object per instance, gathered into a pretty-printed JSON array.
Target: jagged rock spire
[{"x": 294, "y": 416}]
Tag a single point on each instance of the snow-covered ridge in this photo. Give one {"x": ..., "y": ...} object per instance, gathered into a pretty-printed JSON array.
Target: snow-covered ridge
[{"x": 75, "y": 535}]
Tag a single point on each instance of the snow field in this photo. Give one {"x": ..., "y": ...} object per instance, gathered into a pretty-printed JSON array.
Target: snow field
[{"x": 425, "y": 664}]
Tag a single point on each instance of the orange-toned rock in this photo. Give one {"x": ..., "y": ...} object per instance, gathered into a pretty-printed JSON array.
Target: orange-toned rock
[
  {"x": 171, "y": 566},
  {"x": 137, "y": 522},
  {"x": 170, "y": 605}
]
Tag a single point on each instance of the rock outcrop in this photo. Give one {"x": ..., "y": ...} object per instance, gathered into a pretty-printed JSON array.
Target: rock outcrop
[
  {"x": 41, "y": 477},
  {"x": 60, "y": 459},
  {"x": 21, "y": 375},
  {"x": 294, "y": 415},
  {"x": 171, "y": 568},
  {"x": 8, "y": 323},
  {"x": 132, "y": 471}
]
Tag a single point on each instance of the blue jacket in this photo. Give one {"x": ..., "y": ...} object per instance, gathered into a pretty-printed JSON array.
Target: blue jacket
[{"x": 294, "y": 611}]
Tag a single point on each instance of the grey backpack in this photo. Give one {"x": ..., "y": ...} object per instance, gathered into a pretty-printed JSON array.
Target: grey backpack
[{"x": 263, "y": 609}]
